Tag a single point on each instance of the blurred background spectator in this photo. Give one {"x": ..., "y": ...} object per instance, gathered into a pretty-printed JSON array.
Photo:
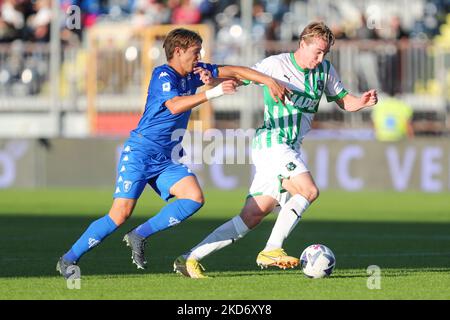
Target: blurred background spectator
[
  {"x": 279, "y": 19},
  {"x": 392, "y": 120}
]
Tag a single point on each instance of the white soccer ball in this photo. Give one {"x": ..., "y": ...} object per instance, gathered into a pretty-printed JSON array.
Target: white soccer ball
[{"x": 317, "y": 261}]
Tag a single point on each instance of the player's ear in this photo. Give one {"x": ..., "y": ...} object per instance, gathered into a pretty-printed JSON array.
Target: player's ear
[
  {"x": 301, "y": 43},
  {"x": 177, "y": 51}
]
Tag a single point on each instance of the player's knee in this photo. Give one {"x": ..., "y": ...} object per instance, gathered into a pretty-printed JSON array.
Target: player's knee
[
  {"x": 315, "y": 194},
  {"x": 197, "y": 197},
  {"x": 251, "y": 218},
  {"x": 194, "y": 195},
  {"x": 200, "y": 199},
  {"x": 119, "y": 213},
  {"x": 310, "y": 194}
]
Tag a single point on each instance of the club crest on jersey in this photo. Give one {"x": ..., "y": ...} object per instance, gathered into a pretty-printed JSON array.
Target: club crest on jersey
[
  {"x": 127, "y": 185},
  {"x": 291, "y": 166},
  {"x": 183, "y": 84},
  {"x": 320, "y": 85},
  {"x": 163, "y": 74}
]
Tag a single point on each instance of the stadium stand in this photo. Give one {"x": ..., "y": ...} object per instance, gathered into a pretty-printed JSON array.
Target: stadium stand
[{"x": 399, "y": 47}]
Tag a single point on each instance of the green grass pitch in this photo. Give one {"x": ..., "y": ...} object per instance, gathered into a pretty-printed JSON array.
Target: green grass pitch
[{"x": 406, "y": 234}]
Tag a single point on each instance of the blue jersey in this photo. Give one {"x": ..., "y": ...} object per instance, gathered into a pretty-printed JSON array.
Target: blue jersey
[{"x": 154, "y": 131}]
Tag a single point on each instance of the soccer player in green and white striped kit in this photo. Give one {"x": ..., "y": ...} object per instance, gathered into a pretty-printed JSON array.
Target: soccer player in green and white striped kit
[{"x": 282, "y": 177}]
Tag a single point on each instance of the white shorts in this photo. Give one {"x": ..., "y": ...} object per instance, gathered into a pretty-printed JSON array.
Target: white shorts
[{"x": 272, "y": 166}]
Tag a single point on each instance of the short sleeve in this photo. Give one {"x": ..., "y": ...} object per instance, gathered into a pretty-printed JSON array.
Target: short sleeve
[
  {"x": 164, "y": 85},
  {"x": 265, "y": 66},
  {"x": 334, "y": 89}
]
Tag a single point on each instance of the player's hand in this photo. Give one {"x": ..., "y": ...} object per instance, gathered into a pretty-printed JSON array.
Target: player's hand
[
  {"x": 229, "y": 86},
  {"x": 278, "y": 91},
  {"x": 369, "y": 98},
  {"x": 225, "y": 87},
  {"x": 205, "y": 75}
]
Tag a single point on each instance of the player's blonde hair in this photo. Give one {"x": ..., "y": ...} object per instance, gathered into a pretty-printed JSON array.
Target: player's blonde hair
[
  {"x": 317, "y": 30},
  {"x": 182, "y": 38}
]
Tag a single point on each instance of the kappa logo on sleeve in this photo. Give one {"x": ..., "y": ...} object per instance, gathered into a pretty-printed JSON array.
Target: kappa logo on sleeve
[
  {"x": 166, "y": 86},
  {"x": 163, "y": 74}
]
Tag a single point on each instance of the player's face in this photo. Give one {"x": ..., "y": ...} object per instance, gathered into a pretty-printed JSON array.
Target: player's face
[
  {"x": 314, "y": 52},
  {"x": 190, "y": 57}
]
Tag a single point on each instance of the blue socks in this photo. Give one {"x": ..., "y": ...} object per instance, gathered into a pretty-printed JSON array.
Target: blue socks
[
  {"x": 172, "y": 214},
  {"x": 95, "y": 233}
]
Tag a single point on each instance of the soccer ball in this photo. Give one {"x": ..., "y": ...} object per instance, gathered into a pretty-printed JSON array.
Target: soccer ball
[{"x": 317, "y": 261}]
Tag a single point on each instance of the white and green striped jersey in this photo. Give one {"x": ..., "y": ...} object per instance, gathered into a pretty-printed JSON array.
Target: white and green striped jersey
[{"x": 289, "y": 123}]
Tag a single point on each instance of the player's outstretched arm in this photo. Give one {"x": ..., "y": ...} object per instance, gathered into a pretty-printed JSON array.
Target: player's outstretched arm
[
  {"x": 277, "y": 90},
  {"x": 184, "y": 103},
  {"x": 352, "y": 103}
]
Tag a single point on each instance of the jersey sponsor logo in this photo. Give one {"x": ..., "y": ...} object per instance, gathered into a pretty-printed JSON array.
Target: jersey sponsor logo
[
  {"x": 166, "y": 86},
  {"x": 127, "y": 185},
  {"x": 163, "y": 74},
  {"x": 306, "y": 105}
]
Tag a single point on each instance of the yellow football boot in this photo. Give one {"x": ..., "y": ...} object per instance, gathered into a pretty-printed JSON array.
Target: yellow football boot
[
  {"x": 189, "y": 268},
  {"x": 276, "y": 258}
]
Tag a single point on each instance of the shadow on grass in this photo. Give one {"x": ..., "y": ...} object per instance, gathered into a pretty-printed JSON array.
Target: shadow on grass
[{"x": 30, "y": 246}]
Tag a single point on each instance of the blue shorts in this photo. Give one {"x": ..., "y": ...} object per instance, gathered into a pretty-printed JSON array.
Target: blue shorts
[{"x": 136, "y": 169}]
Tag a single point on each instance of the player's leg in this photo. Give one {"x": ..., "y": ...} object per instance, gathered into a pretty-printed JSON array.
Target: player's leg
[
  {"x": 288, "y": 173},
  {"x": 255, "y": 209},
  {"x": 304, "y": 191},
  {"x": 98, "y": 230},
  {"x": 129, "y": 186},
  {"x": 189, "y": 199},
  {"x": 96, "y": 233},
  {"x": 302, "y": 184},
  {"x": 176, "y": 181}
]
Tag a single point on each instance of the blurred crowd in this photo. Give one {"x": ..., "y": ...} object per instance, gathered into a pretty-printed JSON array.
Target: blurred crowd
[
  {"x": 25, "y": 19},
  {"x": 30, "y": 20}
]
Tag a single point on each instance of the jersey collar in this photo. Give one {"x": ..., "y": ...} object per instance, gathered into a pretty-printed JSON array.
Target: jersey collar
[{"x": 296, "y": 64}]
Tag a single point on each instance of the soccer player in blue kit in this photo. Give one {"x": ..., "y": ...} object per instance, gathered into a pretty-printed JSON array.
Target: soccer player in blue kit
[{"x": 147, "y": 154}]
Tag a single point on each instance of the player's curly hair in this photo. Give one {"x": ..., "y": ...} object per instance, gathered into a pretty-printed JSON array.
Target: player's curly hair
[
  {"x": 317, "y": 30},
  {"x": 182, "y": 38}
]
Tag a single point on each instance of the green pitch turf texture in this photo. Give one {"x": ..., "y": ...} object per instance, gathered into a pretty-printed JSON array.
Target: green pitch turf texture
[{"x": 406, "y": 234}]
